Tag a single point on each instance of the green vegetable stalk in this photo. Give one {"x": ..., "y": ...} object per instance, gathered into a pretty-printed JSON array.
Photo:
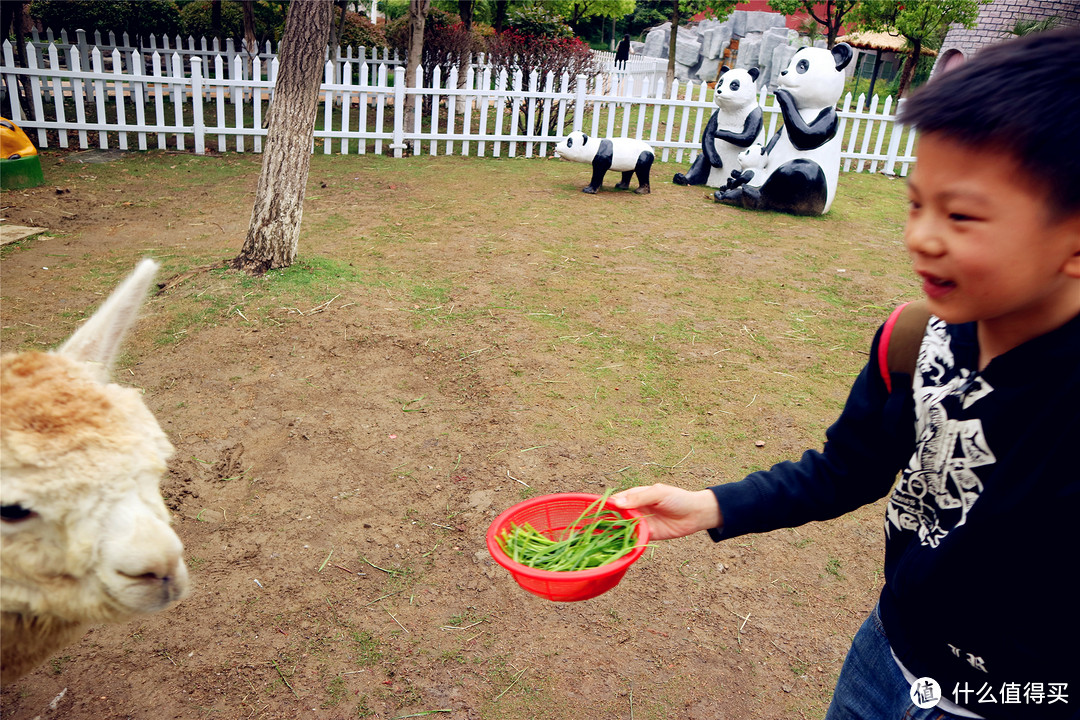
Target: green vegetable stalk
[{"x": 596, "y": 538}]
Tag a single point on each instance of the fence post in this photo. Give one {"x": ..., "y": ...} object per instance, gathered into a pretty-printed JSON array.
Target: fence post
[
  {"x": 398, "y": 143},
  {"x": 198, "y": 125},
  {"x": 579, "y": 102},
  {"x": 894, "y": 141}
]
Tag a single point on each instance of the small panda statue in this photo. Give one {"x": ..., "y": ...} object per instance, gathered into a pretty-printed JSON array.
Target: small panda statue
[
  {"x": 751, "y": 161},
  {"x": 737, "y": 123},
  {"x": 803, "y": 157},
  {"x": 624, "y": 155}
]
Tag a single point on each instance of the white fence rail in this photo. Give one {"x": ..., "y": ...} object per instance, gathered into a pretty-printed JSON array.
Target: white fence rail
[{"x": 161, "y": 101}]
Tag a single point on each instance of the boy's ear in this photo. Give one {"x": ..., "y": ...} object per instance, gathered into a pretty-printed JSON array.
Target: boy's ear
[{"x": 1071, "y": 227}]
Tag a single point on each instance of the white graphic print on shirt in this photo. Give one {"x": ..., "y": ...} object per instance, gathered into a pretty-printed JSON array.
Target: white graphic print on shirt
[{"x": 940, "y": 486}]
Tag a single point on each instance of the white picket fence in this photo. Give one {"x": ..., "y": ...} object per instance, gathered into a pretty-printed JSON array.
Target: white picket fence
[
  {"x": 164, "y": 102},
  {"x": 208, "y": 50}
]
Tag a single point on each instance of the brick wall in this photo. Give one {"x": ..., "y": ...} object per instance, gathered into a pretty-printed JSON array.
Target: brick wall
[{"x": 997, "y": 18}]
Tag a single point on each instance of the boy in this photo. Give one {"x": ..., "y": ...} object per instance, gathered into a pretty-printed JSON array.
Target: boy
[{"x": 980, "y": 551}]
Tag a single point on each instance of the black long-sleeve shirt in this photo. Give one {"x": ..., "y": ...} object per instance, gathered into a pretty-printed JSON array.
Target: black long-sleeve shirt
[{"x": 983, "y": 527}]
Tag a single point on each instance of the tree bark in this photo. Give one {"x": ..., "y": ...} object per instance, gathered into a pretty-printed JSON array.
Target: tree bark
[
  {"x": 418, "y": 10},
  {"x": 500, "y": 14},
  {"x": 250, "y": 40},
  {"x": 249, "y": 27},
  {"x": 337, "y": 30},
  {"x": 672, "y": 43},
  {"x": 909, "y": 67},
  {"x": 215, "y": 18},
  {"x": 465, "y": 11},
  {"x": 279, "y": 198}
]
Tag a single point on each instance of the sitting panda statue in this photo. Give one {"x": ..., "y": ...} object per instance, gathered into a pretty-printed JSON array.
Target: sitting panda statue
[
  {"x": 626, "y": 155},
  {"x": 735, "y": 124},
  {"x": 802, "y": 158}
]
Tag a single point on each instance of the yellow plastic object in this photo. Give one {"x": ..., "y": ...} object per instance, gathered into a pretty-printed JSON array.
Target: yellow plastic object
[{"x": 14, "y": 143}]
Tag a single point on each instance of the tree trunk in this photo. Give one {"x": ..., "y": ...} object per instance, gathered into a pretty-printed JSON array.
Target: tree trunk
[
  {"x": 336, "y": 31},
  {"x": 500, "y": 14},
  {"x": 465, "y": 10},
  {"x": 249, "y": 35},
  {"x": 909, "y": 67},
  {"x": 418, "y": 10},
  {"x": 279, "y": 199},
  {"x": 215, "y": 18},
  {"x": 672, "y": 44}
]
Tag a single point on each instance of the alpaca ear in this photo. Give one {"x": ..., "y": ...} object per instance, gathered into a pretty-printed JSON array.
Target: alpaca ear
[{"x": 98, "y": 341}]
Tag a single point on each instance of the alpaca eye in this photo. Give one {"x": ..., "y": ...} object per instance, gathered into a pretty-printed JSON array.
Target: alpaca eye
[{"x": 15, "y": 513}]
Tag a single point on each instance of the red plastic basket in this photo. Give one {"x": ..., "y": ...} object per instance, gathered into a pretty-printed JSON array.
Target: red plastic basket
[{"x": 550, "y": 515}]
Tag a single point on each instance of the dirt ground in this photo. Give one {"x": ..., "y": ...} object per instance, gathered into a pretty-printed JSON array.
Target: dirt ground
[{"x": 337, "y": 465}]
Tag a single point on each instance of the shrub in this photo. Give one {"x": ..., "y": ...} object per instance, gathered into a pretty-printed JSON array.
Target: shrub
[
  {"x": 358, "y": 31},
  {"x": 447, "y": 44},
  {"x": 511, "y": 50},
  {"x": 153, "y": 17},
  {"x": 534, "y": 20},
  {"x": 196, "y": 20}
]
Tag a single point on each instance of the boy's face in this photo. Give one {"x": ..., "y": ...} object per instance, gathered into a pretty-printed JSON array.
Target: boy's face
[{"x": 981, "y": 237}]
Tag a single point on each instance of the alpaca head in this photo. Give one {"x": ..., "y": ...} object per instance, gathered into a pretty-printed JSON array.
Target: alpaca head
[{"x": 84, "y": 534}]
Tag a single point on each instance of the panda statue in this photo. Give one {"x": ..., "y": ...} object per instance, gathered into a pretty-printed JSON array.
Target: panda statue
[
  {"x": 624, "y": 155},
  {"x": 803, "y": 157},
  {"x": 736, "y": 123},
  {"x": 751, "y": 161}
]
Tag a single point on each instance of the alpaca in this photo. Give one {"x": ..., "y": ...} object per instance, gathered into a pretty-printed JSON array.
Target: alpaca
[{"x": 84, "y": 533}]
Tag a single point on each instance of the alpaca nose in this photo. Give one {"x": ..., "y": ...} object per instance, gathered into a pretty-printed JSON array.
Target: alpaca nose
[
  {"x": 150, "y": 552},
  {"x": 161, "y": 567}
]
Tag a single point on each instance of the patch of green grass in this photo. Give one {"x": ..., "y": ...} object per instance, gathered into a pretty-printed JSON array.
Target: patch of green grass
[
  {"x": 57, "y": 664},
  {"x": 335, "y": 692},
  {"x": 366, "y": 647}
]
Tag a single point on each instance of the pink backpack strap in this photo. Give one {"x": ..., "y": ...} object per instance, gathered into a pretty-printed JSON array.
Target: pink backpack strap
[
  {"x": 901, "y": 338},
  {"x": 883, "y": 346}
]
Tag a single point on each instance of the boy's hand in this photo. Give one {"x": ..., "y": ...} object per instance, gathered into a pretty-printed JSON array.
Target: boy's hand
[{"x": 671, "y": 512}]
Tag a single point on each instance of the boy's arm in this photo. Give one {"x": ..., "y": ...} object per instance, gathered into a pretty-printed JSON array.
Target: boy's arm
[{"x": 865, "y": 448}]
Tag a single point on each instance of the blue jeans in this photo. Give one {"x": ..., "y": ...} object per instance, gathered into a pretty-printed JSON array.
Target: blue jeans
[{"x": 871, "y": 686}]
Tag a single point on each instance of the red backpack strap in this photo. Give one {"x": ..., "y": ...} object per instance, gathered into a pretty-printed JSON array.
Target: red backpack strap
[{"x": 901, "y": 338}]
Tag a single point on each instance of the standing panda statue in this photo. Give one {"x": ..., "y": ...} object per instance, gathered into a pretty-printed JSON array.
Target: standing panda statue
[
  {"x": 625, "y": 155},
  {"x": 736, "y": 124},
  {"x": 802, "y": 158}
]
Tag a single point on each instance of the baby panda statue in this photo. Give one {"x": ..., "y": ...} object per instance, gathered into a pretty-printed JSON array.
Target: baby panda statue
[
  {"x": 802, "y": 158},
  {"x": 625, "y": 155},
  {"x": 736, "y": 124},
  {"x": 751, "y": 161}
]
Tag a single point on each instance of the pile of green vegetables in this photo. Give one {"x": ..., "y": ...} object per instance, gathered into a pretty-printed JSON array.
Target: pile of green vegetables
[{"x": 596, "y": 538}]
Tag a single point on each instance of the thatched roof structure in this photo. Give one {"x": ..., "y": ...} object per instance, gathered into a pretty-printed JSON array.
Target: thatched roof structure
[{"x": 879, "y": 41}]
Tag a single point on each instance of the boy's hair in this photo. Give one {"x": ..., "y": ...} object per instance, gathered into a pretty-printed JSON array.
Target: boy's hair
[{"x": 1020, "y": 97}]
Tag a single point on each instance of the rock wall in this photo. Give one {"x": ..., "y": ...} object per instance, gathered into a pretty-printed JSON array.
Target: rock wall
[{"x": 764, "y": 42}]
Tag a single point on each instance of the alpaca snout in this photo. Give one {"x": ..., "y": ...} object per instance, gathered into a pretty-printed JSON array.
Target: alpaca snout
[
  {"x": 164, "y": 582},
  {"x": 143, "y": 561}
]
